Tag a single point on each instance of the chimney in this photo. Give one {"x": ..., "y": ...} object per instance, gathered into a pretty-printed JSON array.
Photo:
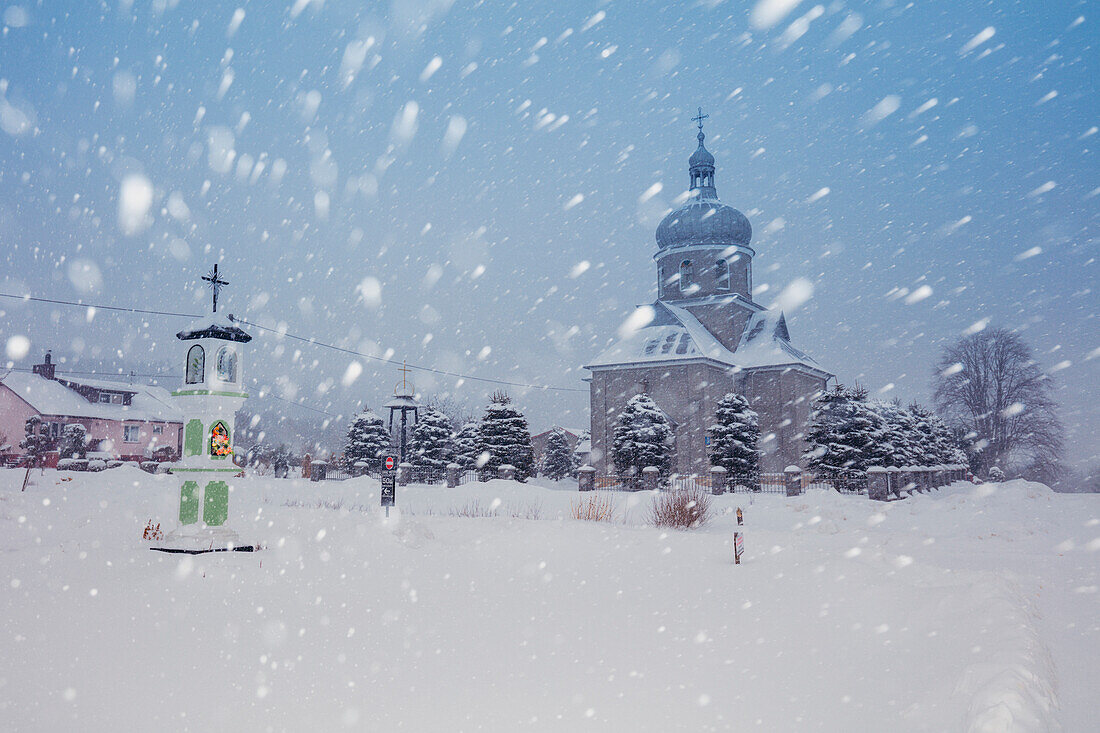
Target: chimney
[{"x": 45, "y": 369}]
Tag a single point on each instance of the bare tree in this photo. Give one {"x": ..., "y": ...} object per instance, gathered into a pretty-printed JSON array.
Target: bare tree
[{"x": 989, "y": 384}]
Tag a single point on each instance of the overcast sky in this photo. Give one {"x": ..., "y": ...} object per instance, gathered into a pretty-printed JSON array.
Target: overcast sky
[{"x": 474, "y": 186}]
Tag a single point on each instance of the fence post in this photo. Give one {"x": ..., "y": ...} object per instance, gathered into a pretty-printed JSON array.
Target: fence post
[
  {"x": 453, "y": 470},
  {"x": 507, "y": 472},
  {"x": 586, "y": 478},
  {"x": 792, "y": 476},
  {"x": 893, "y": 481},
  {"x": 317, "y": 471},
  {"x": 878, "y": 483},
  {"x": 404, "y": 473},
  {"x": 651, "y": 478},
  {"x": 718, "y": 479}
]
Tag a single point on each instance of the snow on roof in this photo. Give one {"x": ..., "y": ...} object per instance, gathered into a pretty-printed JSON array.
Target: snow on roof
[
  {"x": 214, "y": 325},
  {"x": 50, "y": 397},
  {"x": 675, "y": 334}
]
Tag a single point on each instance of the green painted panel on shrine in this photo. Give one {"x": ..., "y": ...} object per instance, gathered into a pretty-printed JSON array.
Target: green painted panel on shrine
[
  {"x": 189, "y": 502},
  {"x": 215, "y": 508},
  {"x": 192, "y": 438}
]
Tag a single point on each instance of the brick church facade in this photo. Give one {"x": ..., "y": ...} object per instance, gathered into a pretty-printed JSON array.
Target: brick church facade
[{"x": 705, "y": 336}]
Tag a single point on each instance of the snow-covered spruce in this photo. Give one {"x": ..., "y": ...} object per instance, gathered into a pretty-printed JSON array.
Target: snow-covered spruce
[
  {"x": 733, "y": 438},
  {"x": 643, "y": 437},
  {"x": 367, "y": 439},
  {"x": 559, "y": 461},
  {"x": 465, "y": 444},
  {"x": 74, "y": 441},
  {"x": 431, "y": 440},
  {"x": 504, "y": 436}
]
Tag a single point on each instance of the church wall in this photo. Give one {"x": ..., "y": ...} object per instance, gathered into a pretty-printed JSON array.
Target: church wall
[
  {"x": 703, "y": 260},
  {"x": 687, "y": 393},
  {"x": 782, "y": 399}
]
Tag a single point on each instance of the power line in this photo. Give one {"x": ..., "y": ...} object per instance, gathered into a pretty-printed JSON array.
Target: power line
[
  {"x": 303, "y": 339},
  {"x": 97, "y": 307},
  {"x": 384, "y": 360}
]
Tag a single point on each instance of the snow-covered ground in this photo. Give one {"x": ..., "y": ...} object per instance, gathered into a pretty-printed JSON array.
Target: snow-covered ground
[{"x": 970, "y": 609}]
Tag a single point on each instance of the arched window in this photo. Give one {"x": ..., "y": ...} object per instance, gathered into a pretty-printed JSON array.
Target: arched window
[
  {"x": 227, "y": 364},
  {"x": 687, "y": 275},
  {"x": 220, "y": 446},
  {"x": 722, "y": 274},
  {"x": 196, "y": 365}
]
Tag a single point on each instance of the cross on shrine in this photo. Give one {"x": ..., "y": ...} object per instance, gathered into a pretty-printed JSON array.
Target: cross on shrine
[
  {"x": 404, "y": 373},
  {"x": 699, "y": 118},
  {"x": 215, "y": 284}
]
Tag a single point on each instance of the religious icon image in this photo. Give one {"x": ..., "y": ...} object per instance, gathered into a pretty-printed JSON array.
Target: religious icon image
[{"x": 219, "y": 440}]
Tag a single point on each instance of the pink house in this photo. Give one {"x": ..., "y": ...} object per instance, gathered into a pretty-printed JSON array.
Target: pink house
[{"x": 125, "y": 421}]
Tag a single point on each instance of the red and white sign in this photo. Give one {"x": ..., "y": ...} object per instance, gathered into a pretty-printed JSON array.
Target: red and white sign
[
  {"x": 390, "y": 463},
  {"x": 738, "y": 547}
]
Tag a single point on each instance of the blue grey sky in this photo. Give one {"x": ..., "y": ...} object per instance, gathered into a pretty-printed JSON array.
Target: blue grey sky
[{"x": 474, "y": 186}]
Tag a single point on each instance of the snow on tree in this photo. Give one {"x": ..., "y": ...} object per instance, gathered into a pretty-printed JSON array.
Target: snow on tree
[
  {"x": 559, "y": 461},
  {"x": 430, "y": 443},
  {"x": 504, "y": 435},
  {"x": 74, "y": 441},
  {"x": 34, "y": 444},
  {"x": 466, "y": 446},
  {"x": 642, "y": 438},
  {"x": 903, "y": 443},
  {"x": 367, "y": 439},
  {"x": 845, "y": 435},
  {"x": 733, "y": 438}
]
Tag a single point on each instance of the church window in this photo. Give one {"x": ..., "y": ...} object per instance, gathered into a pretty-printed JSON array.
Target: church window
[
  {"x": 227, "y": 364},
  {"x": 666, "y": 347},
  {"x": 685, "y": 342},
  {"x": 196, "y": 364},
  {"x": 687, "y": 275},
  {"x": 651, "y": 346},
  {"x": 722, "y": 274}
]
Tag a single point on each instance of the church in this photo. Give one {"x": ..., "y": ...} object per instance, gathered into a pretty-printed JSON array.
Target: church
[{"x": 705, "y": 336}]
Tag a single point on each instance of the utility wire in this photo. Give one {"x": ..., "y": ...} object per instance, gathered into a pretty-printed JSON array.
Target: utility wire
[{"x": 303, "y": 339}]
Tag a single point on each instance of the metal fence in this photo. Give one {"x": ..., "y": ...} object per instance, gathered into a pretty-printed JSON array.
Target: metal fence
[{"x": 764, "y": 483}]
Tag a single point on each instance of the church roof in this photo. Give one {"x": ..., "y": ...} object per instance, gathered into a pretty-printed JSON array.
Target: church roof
[{"x": 675, "y": 335}]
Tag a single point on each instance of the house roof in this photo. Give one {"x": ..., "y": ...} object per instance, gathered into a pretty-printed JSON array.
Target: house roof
[
  {"x": 675, "y": 335},
  {"x": 50, "y": 397}
]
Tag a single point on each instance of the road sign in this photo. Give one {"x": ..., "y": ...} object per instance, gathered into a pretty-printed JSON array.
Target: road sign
[
  {"x": 738, "y": 547},
  {"x": 389, "y": 489},
  {"x": 389, "y": 463}
]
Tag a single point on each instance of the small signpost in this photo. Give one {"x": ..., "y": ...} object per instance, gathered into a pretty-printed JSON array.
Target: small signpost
[
  {"x": 389, "y": 482},
  {"x": 738, "y": 540}
]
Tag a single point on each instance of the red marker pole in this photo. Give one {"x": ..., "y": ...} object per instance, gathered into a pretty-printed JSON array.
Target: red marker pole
[{"x": 738, "y": 539}]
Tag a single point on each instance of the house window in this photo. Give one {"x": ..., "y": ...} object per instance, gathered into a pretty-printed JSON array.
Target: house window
[
  {"x": 227, "y": 364},
  {"x": 131, "y": 433},
  {"x": 158, "y": 429},
  {"x": 722, "y": 274},
  {"x": 105, "y": 398},
  {"x": 196, "y": 365},
  {"x": 116, "y": 399},
  {"x": 687, "y": 275}
]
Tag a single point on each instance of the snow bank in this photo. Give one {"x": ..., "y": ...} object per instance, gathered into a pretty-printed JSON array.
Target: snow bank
[{"x": 956, "y": 610}]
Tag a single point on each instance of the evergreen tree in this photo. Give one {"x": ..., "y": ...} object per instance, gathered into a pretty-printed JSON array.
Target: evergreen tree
[
  {"x": 430, "y": 444},
  {"x": 34, "y": 444},
  {"x": 902, "y": 441},
  {"x": 466, "y": 446},
  {"x": 642, "y": 438},
  {"x": 845, "y": 436},
  {"x": 504, "y": 435},
  {"x": 558, "y": 461},
  {"x": 74, "y": 441},
  {"x": 367, "y": 440},
  {"x": 733, "y": 438}
]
